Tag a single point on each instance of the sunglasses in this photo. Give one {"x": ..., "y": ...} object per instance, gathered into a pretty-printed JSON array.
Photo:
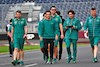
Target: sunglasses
[{"x": 53, "y": 9}]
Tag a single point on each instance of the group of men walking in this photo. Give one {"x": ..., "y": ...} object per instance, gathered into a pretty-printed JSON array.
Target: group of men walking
[{"x": 51, "y": 30}]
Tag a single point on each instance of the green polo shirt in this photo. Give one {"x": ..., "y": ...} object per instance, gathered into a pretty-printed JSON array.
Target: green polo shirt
[
  {"x": 58, "y": 19},
  {"x": 19, "y": 26}
]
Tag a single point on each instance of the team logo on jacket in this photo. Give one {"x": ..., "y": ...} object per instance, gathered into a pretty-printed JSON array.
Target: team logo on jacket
[
  {"x": 67, "y": 22},
  {"x": 74, "y": 22},
  {"x": 51, "y": 23},
  {"x": 21, "y": 22},
  {"x": 56, "y": 19},
  {"x": 97, "y": 20},
  {"x": 90, "y": 21},
  {"x": 15, "y": 22}
]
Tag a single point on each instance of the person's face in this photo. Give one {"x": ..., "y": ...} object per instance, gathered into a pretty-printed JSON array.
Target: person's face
[
  {"x": 71, "y": 15},
  {"x": 44, "y": 17},
  {"x": 18, "y": 15},
  {"x": 10, "y": 22},
  {"x": 93, "y": 12},
  {"x": 48, "y": 15},
  {"x": 53, "y": 10},
  {"x": 56, "y": 14}
]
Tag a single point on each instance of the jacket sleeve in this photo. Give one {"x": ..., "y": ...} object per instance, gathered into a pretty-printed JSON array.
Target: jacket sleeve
[
  {"x": 86, "y": 25},
  {"x": 64, "y": 26},
  {"x": 41, "y": 25},
  {"x": 39, "y": 28},
  {"x": 78, "y": 25},
  {"x": 56, "y": 27}
]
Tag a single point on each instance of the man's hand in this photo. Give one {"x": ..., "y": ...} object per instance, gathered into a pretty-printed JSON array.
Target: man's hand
[
  {"x": 85, "y": 31},
  {"x": 41, "y": 38},
  {"x": 62, "y": 36},
  {"x": 73, "y": 27},
  {"x": 56, "y": 37},
  {"x": 26, "y": 40},
  {"x": 10, "y": 36},
  {"x": 67, "y": 27},
  {"x": 24, "y": 36},
  {"x": 12, "y": 40}
]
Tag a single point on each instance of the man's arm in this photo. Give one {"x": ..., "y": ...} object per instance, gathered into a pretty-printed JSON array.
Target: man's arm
[
  {"x": 61, "y": 28},
  {"x": 78, "y": 25},
  {"x": 39, "y": 29},
  {"x": 12, "y": 31},
  {"x": 26, "y": 31},
  {"x": 9, "y": 31},
  {"x": 65, "y": 26},
  {"x": 56, "y": 29},
  {"x": 86, "y": 25}
]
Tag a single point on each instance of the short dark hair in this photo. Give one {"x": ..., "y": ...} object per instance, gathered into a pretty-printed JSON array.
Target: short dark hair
[
  {"x": 48, "y": 11},
  {"x": 71, "y": 11},
  {"x": 93, "y": 8},
  {"x": 10, "y": 20},
  {"x": 44, "y": 14},
  {"x": 58, "y": 12},
  {"x": 52, "y": 6},
  {"x": 18, "y": 11}
]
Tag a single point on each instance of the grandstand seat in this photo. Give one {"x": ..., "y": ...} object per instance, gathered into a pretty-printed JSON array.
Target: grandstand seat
[{"x": 29, "y": 0}]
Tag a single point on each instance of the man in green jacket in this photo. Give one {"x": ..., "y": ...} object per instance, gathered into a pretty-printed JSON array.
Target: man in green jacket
[
  {"x": 58, "y": 19},
  {"x": 93, "y": 25},
  {"x": 71, "y": 26},
  {"x": 41, "y": 42},
  {"x": 19, "y": 31},
  {"x": 48, "y": 33}
]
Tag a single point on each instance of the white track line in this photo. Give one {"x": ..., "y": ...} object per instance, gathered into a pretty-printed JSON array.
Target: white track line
[
  {"x": 31, "y": 65},
  {"x": 10, "y": 63}
]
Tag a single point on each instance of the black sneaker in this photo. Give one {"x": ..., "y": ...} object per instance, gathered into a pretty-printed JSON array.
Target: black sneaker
[
  {"x": 10, "y": 55},
  {"x": 60, "y": 57},
  {"x": 51, "y": 61}
]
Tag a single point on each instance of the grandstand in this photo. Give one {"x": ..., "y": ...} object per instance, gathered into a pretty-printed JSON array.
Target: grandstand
[
  {"x": 42, "y": 1},
  {"x": 33, "y": 8}
]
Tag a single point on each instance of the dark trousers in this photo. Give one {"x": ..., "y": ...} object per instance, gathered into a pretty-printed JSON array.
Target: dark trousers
[
  {"x": 10, "y": 49},
  {"x": 46, "y": 41},
  {"x": 60, "y": 46}
]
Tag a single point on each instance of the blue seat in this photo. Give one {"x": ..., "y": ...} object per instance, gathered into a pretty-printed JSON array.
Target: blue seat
[
  {"x": 36, "y": 1},
  {"x": 21, "y": 1},
  {"x": 25, "y": 0},
  {"x": 62, "y": 0},
  {"x": 77, "y": 0},
  {"x": 29, "y": 0},
  {"x": 55, "y": 1},
  {"x": 58, "y": 1},
  {"x": 18, "y": 1},
  {"x": 47, "y": 1},
  {"x": 70, "y": 0},
  {"x": 51, "y": 1},
  {"x": 40, "y": 1},
  {"x": 3, "y": 2}
]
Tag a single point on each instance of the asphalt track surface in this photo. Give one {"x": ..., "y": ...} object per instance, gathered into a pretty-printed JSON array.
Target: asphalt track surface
[{"x": 35, "y": 59}]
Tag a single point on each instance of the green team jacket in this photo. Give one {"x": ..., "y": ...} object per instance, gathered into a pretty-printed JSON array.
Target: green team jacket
[
  {"x": 39, "y": 27},
  {"x": 93, "y": 25},
  {"x": 48, "y": 29},
  {"x": 72, "y": 33}
]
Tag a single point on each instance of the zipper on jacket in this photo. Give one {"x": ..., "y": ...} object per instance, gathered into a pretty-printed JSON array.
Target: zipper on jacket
[
  {"x": 93, "y": 26},
  {"x": 71, "y": 24}
]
